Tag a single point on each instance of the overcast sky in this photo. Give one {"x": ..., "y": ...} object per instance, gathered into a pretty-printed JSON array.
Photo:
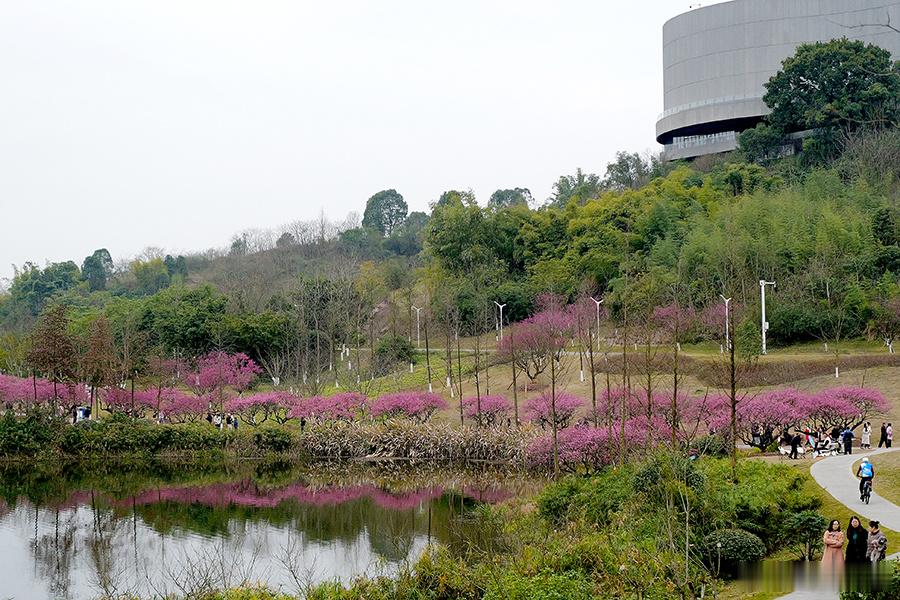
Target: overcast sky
[{"x": 126, "y": 124}]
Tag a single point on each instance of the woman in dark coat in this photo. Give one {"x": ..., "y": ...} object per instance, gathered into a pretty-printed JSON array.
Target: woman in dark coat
[{"x": 857, "y": 542}]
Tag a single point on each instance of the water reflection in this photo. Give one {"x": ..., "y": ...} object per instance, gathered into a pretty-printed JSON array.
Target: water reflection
[{"x": 86, "y": 530}]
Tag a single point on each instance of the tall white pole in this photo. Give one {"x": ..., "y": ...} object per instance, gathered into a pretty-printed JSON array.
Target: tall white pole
[
  {"x": 762, "y": 296},
  {"x": 418, "y": 338},
  {"x": 500, "y": 306},
  {"x": 598, "y": 303},
  {"x": 727, "y": 333}
]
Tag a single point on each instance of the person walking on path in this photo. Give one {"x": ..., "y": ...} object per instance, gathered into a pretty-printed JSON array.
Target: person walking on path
[
  {"x": 866, "y": 441},
  {"x": 857, "y": 542},
  {"x": 890, "y": 435},
  {"x": 847, "y": 437},
  {"x": 883, "y": 439},
  {"x": 877, "y": 543},
  {"x": 795, "y": 444},
  {"x": 833, "y": 555}
]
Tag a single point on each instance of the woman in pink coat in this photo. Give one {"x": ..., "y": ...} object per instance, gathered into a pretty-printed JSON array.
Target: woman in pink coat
[{"x": 833, "y": 555}]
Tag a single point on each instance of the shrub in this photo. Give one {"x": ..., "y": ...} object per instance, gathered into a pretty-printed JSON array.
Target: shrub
[
  {"x": 729, "y": 547},
  {"x": 712, "y": 445},
  {"x": 272, "y": 439},
  {"x": 765, "y": 496},
  {"x": 806, "y": 529},
  {"x": 391, "y": 350},
  {"x": 555, "y": 500},
  {"x": 32, "y": 435}
]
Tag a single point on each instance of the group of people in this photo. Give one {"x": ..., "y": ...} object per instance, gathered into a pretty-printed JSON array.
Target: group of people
[
  {"x": 863, "y": 545},
  {"x": 843, "y": 437},
  {"x": 228, "y": 421}
]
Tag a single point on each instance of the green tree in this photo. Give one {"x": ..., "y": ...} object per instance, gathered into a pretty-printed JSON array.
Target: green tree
[
  {"x": 100, "y": 360},
  {"x": 32, "y": 287},
  {"x": 579, "y": 187},
  {"x": 628, "y": 172},
  {"x": 385, "y": 211},
  {"x": 842, "y": 83},
  {"x": 151, "y": 275},
  {"x": 513, "y": 197},
  {"x": 97, "y": 268},
  {"x": 184, "y": 320},
  {"x": 175, "y": 267},
  {"x": 453, "y": 197},
  {"x": 52, "y": 352},
  {"x": 761, "y": 143},
  {"x": 406, "y": 240}
]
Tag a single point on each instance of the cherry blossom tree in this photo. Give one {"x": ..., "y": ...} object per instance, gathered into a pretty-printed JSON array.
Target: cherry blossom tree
[
  {"x": 541, "y": 409},
  {"x": 764, "y": 418},
  {"x": 180, "y": 407},
  {"x": 539, "y": 338},
  {"x": 255, "y": 409},
  {"x": 344, "y": 406},
  {"x": 415, "y": 405},
  {"x": 219, "y": 371},
  {"x": 842, "y": 407},
  {"x": 489, "y": 411}
]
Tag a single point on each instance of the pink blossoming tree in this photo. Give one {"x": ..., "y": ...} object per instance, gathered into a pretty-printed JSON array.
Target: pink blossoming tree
[
  {"x": 488, "y": 410},
  {"x": 415, "y": 405}
]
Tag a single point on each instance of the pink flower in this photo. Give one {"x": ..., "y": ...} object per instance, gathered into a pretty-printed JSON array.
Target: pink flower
[
  {"x": 490, "y": 410},
  {"x": 258, "y": 408},
  {"x": 417, "y": 405},
  {"x": 218, "y": 370},
  {"x": 540, "y": 409},
  {"x": 344, "y": 406}
]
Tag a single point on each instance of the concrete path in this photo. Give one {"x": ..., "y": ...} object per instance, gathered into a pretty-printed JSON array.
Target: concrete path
[{"x": 836, "y": 476}]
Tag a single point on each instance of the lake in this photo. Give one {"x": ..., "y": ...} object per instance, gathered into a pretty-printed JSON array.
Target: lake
[{"x": 84, "y": 530}]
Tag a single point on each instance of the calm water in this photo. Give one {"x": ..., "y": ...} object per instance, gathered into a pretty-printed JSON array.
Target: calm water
[{"x": 87, "y": 530}]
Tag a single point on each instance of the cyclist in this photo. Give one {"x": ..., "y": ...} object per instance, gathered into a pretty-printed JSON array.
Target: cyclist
[{"x": 865, "y": 472}]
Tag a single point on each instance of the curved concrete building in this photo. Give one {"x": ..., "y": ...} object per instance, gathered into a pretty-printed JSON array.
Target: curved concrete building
[{"x": 716, "y": 60}]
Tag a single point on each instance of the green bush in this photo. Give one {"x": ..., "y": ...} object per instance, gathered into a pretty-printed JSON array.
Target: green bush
[
  {"x": 601, "y": 496},
  {"x": 712, "y": 445},
  {"x": 554, "y": 501},
  {"x": 391, "y": 350},
  {"x": 28, "y": 436},
  {"x": 806, "y": 529},
  {"x": 272, "y": 439},
  {"x": 764, "y": 498},
  {"x": 732, "y": 546}
]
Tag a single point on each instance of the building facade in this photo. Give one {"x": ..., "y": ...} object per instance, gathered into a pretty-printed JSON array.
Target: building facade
[{"x": 716, "y": 60}]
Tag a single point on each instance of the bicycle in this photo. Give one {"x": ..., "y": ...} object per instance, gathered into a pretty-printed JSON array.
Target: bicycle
[{"x": 867, "y": 491}]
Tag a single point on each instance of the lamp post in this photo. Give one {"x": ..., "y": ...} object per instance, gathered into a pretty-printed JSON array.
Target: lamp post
[
  {"x": 598, "y": 303},
  {"x": 727, "y": 301},
  {"x": 500, "y": 306},
  {"x": 418, "y": 338},
  {"x": 762, "y": 298}
]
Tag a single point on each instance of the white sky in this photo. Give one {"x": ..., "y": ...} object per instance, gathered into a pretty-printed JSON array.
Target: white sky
[{"x": 177, "y": 123}]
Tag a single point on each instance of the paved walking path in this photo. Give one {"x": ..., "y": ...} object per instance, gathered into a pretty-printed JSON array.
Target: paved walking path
[{"x": 836, "y": 477}]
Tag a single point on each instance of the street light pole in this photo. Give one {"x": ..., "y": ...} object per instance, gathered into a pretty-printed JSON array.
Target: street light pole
[
  {"x": 500, "y": 306},
  {"x": 418, "y": 338},
  {"x": 727, "y": 336},
  {"x": 762, "y": 297},
  {"x": 598, "y": 303}
]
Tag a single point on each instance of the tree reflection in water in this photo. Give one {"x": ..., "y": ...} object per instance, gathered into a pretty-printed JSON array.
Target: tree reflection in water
[{"x": 163, "y": 528}]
